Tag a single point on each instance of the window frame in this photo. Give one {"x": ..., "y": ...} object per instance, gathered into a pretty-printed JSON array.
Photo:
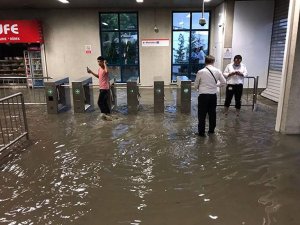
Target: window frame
[
  {"x": 121, "y": 65},
  {"x": 190, "y": 30}
]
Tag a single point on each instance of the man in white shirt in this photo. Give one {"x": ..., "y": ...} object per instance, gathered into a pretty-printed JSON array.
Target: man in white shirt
[
  {"x": 206, "y": 84},
  {"x": 234, "y": 73}
]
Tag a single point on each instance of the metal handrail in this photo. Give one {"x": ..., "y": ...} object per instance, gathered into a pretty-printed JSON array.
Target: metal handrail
[
  {"x": 31, "y": 78},
  {"x": 254, "y": 93},
  {"x": 13, "y": 120}
]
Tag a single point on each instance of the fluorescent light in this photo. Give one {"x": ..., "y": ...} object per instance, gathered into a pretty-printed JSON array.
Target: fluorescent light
[
  {"x": 139, "y": 1},
  {"x": 105, "y": 24},
  {"x": 206, "y": 0},
  {"x": 64, "y": 1}
]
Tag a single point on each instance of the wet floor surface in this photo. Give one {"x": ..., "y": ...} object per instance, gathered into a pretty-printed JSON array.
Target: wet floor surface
[{"x": 151, "y": 169}]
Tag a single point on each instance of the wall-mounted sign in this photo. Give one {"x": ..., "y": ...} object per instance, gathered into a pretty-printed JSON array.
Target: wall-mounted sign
[
  {"x": 88, "y": 49},
  {"x": 155, "y": 42},
  {"x": 21, "y": 31},
  {"x": 227, "y": 53}
]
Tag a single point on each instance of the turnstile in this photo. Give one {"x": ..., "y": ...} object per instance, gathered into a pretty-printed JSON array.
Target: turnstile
[
  {"x": 184, "y": 94},
  {"x": 132, "y": 95},
  {"x": 159, "y": 95},
  {"x": 57, "y": 95},
  {"x": 83, "y": 95},
  {"x": 112, "y": 101}
]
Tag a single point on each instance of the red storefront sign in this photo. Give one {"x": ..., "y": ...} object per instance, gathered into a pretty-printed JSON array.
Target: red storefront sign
[{"x": 20, "y": 31}]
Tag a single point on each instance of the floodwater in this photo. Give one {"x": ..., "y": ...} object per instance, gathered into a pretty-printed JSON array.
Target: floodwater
[{"x": 152, "y": 170}]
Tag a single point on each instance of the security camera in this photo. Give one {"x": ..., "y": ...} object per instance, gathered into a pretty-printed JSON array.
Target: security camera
[
  {"x": 156, "y": 30},
  {"x": 202, "y": 21}
]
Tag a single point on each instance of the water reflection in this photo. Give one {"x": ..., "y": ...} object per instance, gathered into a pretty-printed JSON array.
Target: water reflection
[{"x": 152, "y": 169}]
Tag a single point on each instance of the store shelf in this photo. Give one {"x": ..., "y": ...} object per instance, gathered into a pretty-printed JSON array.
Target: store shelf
[{"x": 12, "y": 68}]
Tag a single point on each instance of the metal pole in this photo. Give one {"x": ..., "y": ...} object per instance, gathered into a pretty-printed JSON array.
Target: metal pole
[
  {"x": 10, "y": 119},
  {"x": 25, "y": 118}
]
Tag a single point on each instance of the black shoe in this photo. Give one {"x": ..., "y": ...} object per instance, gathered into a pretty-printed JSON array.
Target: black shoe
[
  {"x": 211, "y": 132},
  {"x": 201, "y": 134}
]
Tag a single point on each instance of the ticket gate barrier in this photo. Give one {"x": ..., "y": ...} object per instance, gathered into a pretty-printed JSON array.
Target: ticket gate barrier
[
  {"x": 112, "y": 101},
  {"x": 132, "y": 95},
  {"x": 184, "y": 94},
  {"x": 57, "y": 95},
  {"x": 83, "y": 95},
  {"x": 159, "y": 95}
]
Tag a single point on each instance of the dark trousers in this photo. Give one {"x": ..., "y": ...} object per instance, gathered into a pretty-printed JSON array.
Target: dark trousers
[
  {"x": 207, "y": 104},
  {"x": 103, "y": 101},
  {"x": 237, "y": 91}
]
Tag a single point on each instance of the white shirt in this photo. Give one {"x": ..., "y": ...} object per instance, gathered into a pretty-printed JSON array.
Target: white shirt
[
  {"x": 235, "y": 79},
  {"x": 205, "y": 83}
]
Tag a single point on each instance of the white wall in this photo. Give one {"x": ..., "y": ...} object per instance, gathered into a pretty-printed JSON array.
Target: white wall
[
  {"x": 218, "y": 35},
  {"x": 252, "y": 30},
  {"x": 155, "y": 61}
]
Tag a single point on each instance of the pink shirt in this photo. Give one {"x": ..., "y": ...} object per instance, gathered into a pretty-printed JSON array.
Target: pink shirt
[{"x": 103, "y": 79}]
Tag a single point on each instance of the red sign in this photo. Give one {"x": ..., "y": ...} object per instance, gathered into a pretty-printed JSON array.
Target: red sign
[{"x": 20, "y": 31}]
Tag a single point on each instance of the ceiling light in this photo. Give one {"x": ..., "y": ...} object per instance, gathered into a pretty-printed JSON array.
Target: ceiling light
[
  {"x": 64, "y": 1},
  {"x": 207, "y": 0},
  {"x": 139, "y": 1},
  {"x": 105, "y": 24}
]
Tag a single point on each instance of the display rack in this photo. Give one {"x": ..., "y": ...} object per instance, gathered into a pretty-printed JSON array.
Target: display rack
[
  {"x": 12, "y": 67},
  {"x": 34, "y": 70}
]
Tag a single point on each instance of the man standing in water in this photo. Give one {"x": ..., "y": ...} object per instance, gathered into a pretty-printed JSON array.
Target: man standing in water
[
  {"x": 104, "y": 87},
  {"x": 206, "y": 84},
  {"x": 234, "y": 73}
]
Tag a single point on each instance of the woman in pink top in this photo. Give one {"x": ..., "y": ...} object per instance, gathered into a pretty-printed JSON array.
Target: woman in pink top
[{"x": 103, "y": 85}]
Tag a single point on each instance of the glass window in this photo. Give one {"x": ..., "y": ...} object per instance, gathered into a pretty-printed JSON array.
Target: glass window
[
  {"x": 195, "y": 20},
  {"x": 109, "y": 21},
  {"x": 130, "y": 72},
  {"x": 110, "y": 47},
  {"x": 120, "y": 44},
  {"x": 115, "y": 72},
  {"x": 181, "y": 41},
  {"x": 128, "y": 21},
  {"x": 181, "y": 21},
  {"x": 190, "y": 44},
  {"x": 130, "y": 54},
  {"x": 180, "y": 70}
]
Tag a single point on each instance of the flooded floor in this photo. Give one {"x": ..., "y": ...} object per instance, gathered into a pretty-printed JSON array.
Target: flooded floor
[{"x": 152, "y": 170}]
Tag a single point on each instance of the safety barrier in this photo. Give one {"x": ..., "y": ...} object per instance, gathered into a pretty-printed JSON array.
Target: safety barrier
[
  {"x": 32, "y": 95},
  {"x": 57, "y": 95},
  {"x": 250, "y": 94},
  {"x": 13, "y": 122},
  {"x": 83, "y": 100},
  {"x": 159, "y": 95},
  {"x": 133, "y": 95},
  {"x": 112, "y": 101},
  {"x": 184, "y": 94}
]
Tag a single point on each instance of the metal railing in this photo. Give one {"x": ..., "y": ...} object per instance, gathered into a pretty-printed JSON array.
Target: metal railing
[
  {"x": 32, "y": 95},
  {"x": 13, "y": 121},
  {"x": 250, "y": 93}
]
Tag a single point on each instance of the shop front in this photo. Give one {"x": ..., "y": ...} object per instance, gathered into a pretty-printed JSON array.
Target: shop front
[{"x": 21, "y": 53}]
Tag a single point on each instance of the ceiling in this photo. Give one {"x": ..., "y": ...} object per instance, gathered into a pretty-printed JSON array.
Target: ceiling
[{"x": 106, "y": 4}]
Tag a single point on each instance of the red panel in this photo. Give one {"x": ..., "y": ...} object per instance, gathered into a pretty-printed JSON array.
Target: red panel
[{"x": 21, "y": 31}]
